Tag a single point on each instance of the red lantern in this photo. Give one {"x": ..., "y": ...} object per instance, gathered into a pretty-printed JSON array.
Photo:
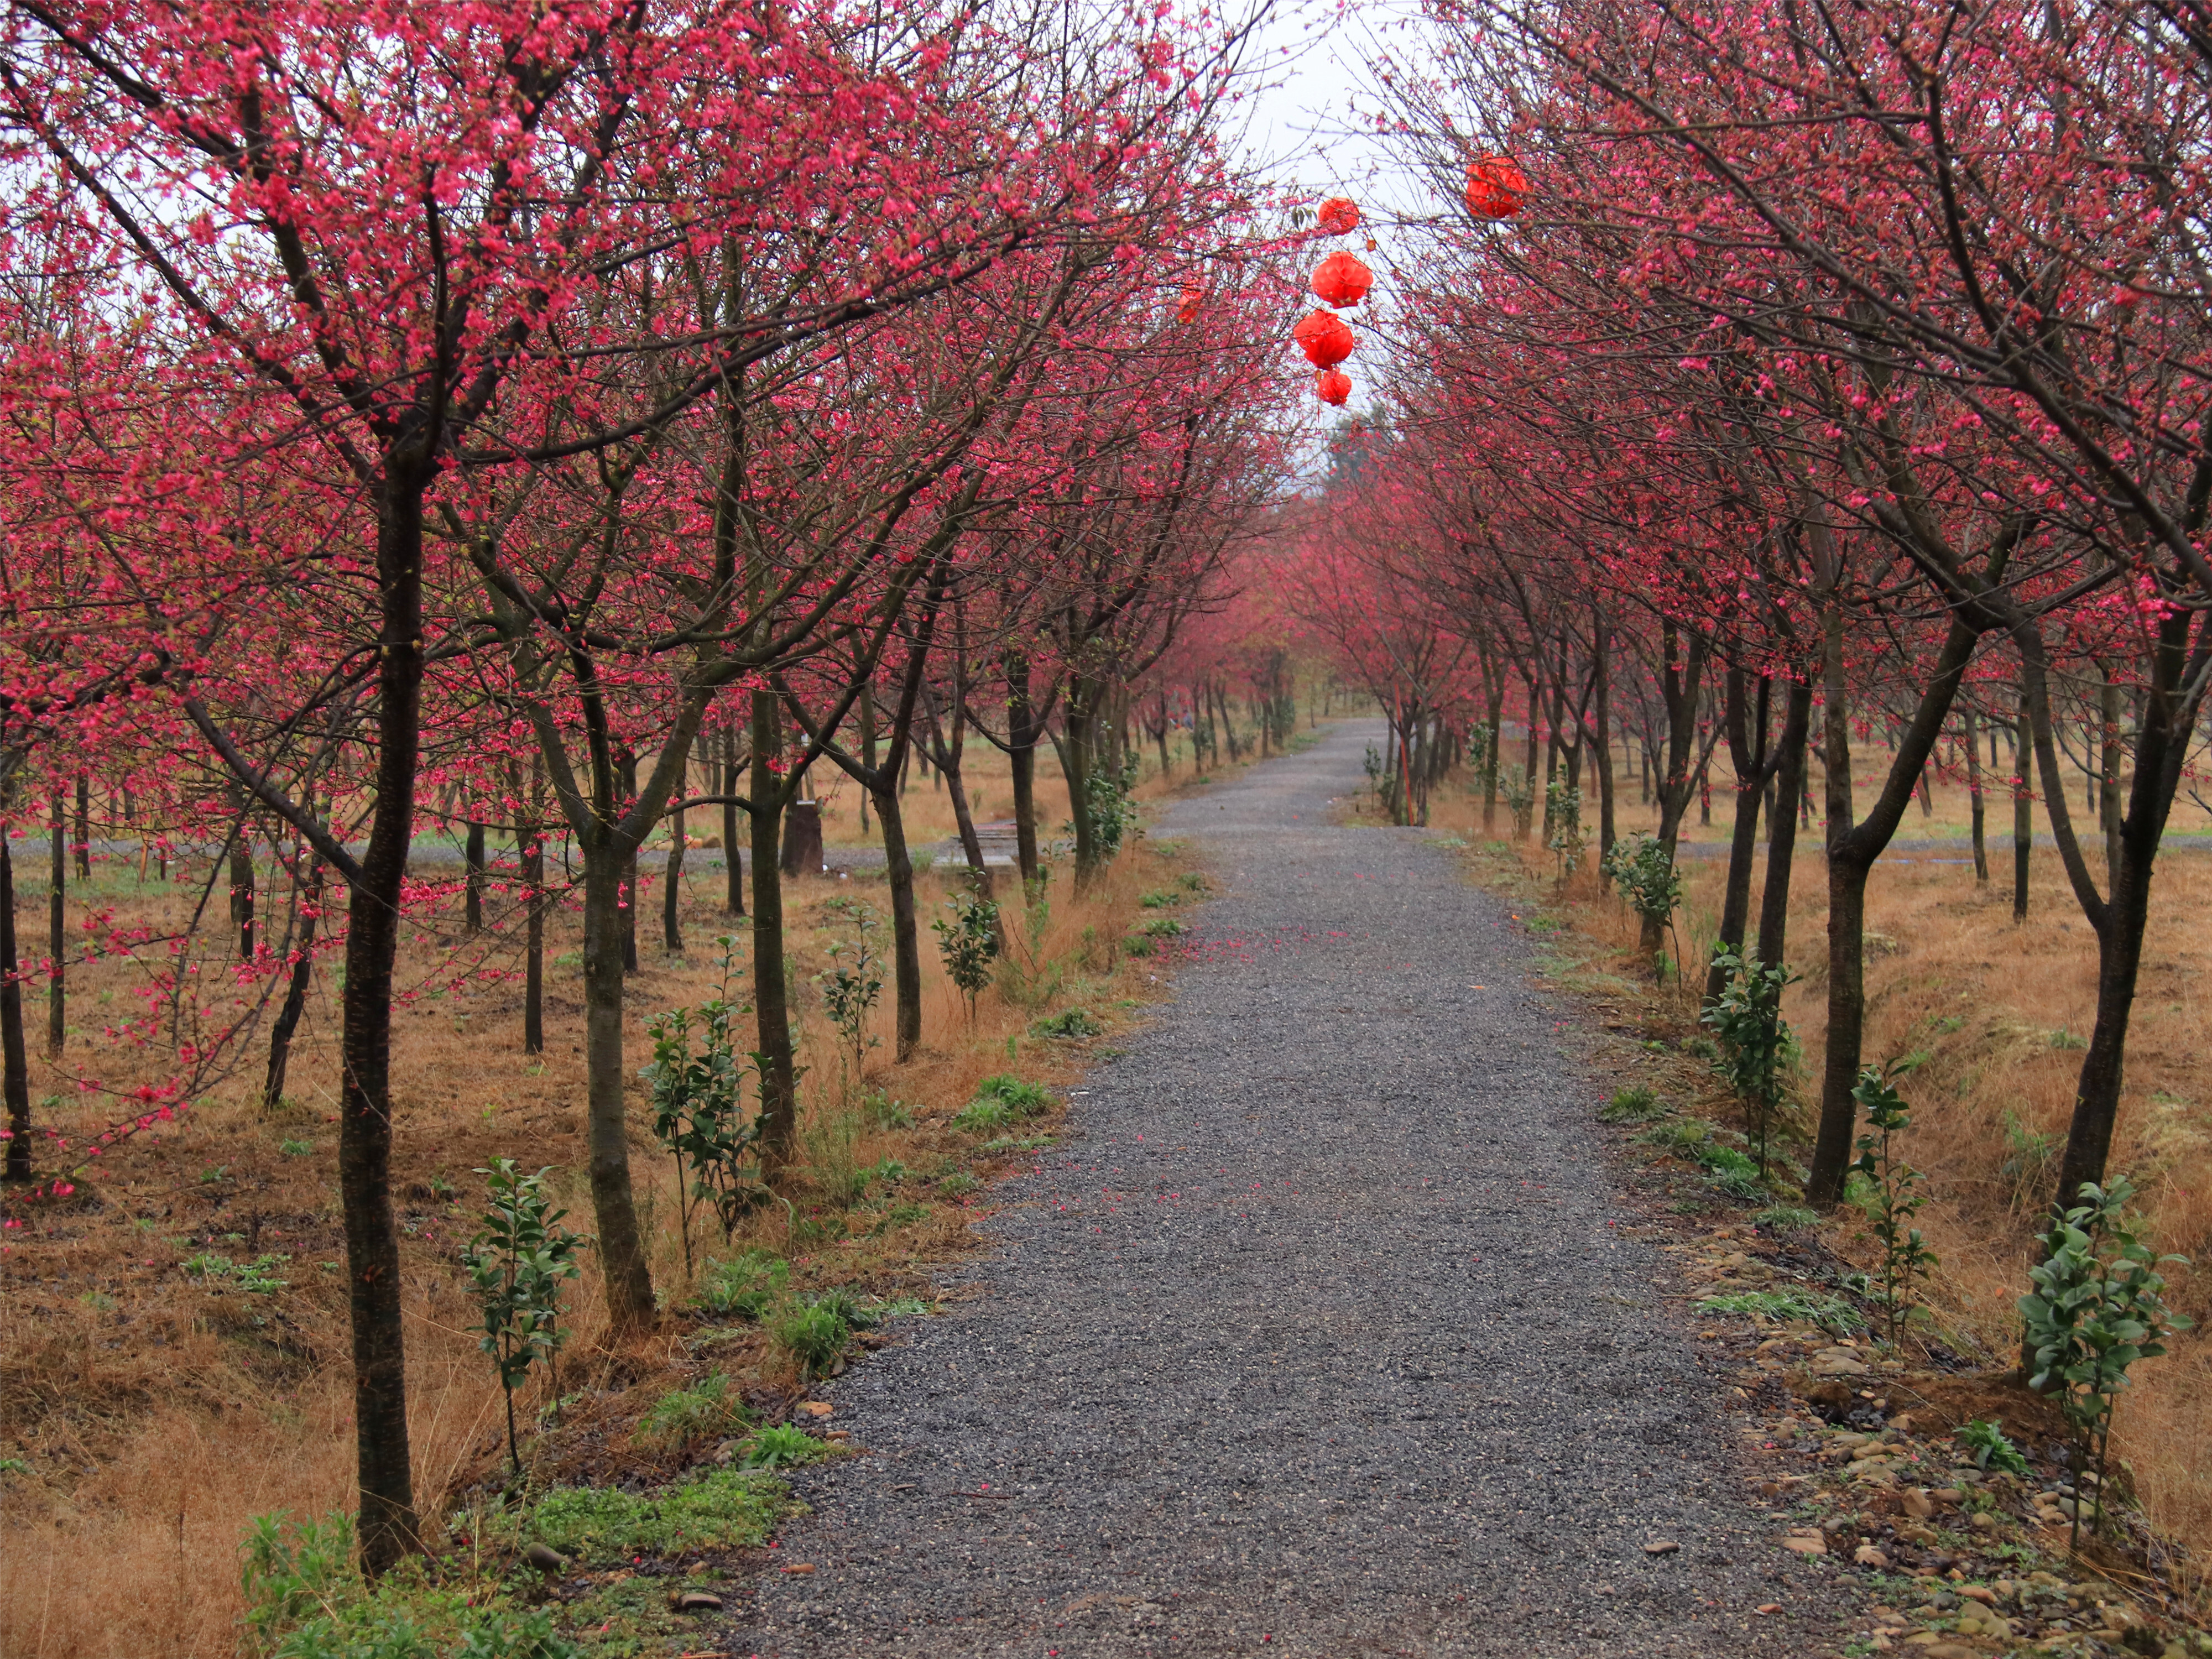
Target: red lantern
[
  {"x": 1340, "y": 215},
  {"x": 1496, "y": 188},
  {"x": 1193, "y": 297},
  {"x": 1332, "y": 386},
  {"x": 1324, "y": 338},
  {"x": 1342, "y": 280}
]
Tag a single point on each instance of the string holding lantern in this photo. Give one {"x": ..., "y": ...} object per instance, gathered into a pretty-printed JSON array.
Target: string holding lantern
[
  {"x": 1339, "y": 215},
  {"x": 1342, "y": 279},
  {"x": 1496, "y": 187},
  {"x": 1325, "y": 337},
  {"x": 1332, "y": 386},
  {"x": 1194, "y": 296}
]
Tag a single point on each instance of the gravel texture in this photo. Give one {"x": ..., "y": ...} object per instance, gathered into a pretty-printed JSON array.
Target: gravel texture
[{"x": 1316, "y": 1335}]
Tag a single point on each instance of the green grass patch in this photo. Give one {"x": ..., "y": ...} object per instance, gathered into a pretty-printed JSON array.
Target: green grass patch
[
  {"x": 1634, "y": 1105},
  {"x": 712, "y": 1406},
  {"x": 1073, "y": 1024},
  {"x": 744, "y": 1287},
  {"x": 1788, "y": 1219},
  {"x": 1830, "y": 1313},
  {"x": 724, "y": 1509}
]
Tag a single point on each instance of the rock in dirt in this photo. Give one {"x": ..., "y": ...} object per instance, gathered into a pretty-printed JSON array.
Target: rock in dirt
[
  {"x": 547, "y": 1561},
  {"x": 1868, "y": 1556},
  {"x": 1806, "y": 1544},
  {"x": 694, "y": 1602},
  {"x": 1662, "y": 1547}
]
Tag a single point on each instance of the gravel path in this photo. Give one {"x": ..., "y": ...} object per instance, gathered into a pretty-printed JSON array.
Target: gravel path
[{"x": 1314, "y": 1336}]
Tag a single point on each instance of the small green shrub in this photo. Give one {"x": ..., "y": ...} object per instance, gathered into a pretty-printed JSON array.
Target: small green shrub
[
  {"x": 1074, "y": 1023},
  {"x": 1990, "y": 1449},
  {"x": 2097, "y": 1308},
  {"x": 882, "y": 1112},
  {"x": 1634, "y": 1105},
  {"x": 744, "y": 1287},
  {"x": 1892, "y": 1192},
  {"x": 959, "y": 1184},
  {"x": 783, "y": 1446},
  {"x": 710, "y": 1407},
  {"x": 1756, "y": 1046},
  {"x": 724, "y": 1509},
  {"x": 1139, "y": 944},
  {"x": 1164, "y": 928},
  {"x": 1160, "y": 901},
  {"x": 969, "y": 945},
  {"x": 815, "y": 1336}
]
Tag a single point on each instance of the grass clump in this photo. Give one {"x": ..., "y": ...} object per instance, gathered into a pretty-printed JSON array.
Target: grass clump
[
  {"x": 744, "y": 1287},
  {"x": 1073, "y": 1024},
  {"x": 815, "y": 1334},
  {"x": 712, "y": 1406},
  {"x": 1830, "y": 1313},
  {"x": 723, "y": 1509},
  {"x": 783, "y": 1447},
  {"x": 1000, "y": 1103},
  {"x": 1634, "y": 1105},
  {"x": 305, "y": 1599},
  {"x": 1989, "y": 1448},
  {"x": 1788, "y": 1219}
]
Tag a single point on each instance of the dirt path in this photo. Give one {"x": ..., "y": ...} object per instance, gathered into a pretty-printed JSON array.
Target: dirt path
[{"x": 1314, "y": 1337}]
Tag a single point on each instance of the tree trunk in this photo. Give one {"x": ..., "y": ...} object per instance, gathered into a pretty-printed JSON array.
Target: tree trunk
[
  {"x": 672, "y": 926},
  {"x": 1747, "y": 755},
  {"x": 734, "y": 864},
  {"x": 14, "y": 1064},
  {"x": 2118, "y": 919},
  {"x": 534, "y": 930},
  {"x": 1021, "y": 745},
  {"x": 57, "y": 938},
  {"x": 1852, "y": 850},
  {"x": 771, "y": 995},
  {"x": 295, "y": 990},
  {"x": 906, "y": 933},
  {"x": 1679, "y": 685},
  {"x": 472, "y": 901},
  {"x": 1077, "y": 753},
  {"x": 241, "y": 887},
  {"x": 1601, "y": 674},
  {"x": 2108, "y": 781},
  {"x": 622, "y": 1250},
  {"x": 626, "y": 776},
  {"x": 83, "y": 828},
  {"x": 2023, "y": 809},
  {"x": 388, "y": 1528},
  {"x": 1781, "y": 825},
  {"x": 1975, "y": 809}
]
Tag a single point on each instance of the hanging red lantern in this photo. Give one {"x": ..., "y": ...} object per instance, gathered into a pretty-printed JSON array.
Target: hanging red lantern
[
  {"x": 1342, "y": 280},
  {"x": 1324, "y": 338},
  {"x": 1332, "y": 386},
  {"x": 1496, "y": 188},
  {"x": 1340, "y": 215},
  {"x": 1194, "y": 296}
]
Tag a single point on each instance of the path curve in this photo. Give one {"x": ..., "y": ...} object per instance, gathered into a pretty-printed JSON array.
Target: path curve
[{"x": 1314, "y": 1337}]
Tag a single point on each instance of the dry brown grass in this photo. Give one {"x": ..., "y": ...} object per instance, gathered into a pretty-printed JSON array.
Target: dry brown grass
[
  {"x": 1998, "y": 1011},
  {"x": 155, "y": 1418}
]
